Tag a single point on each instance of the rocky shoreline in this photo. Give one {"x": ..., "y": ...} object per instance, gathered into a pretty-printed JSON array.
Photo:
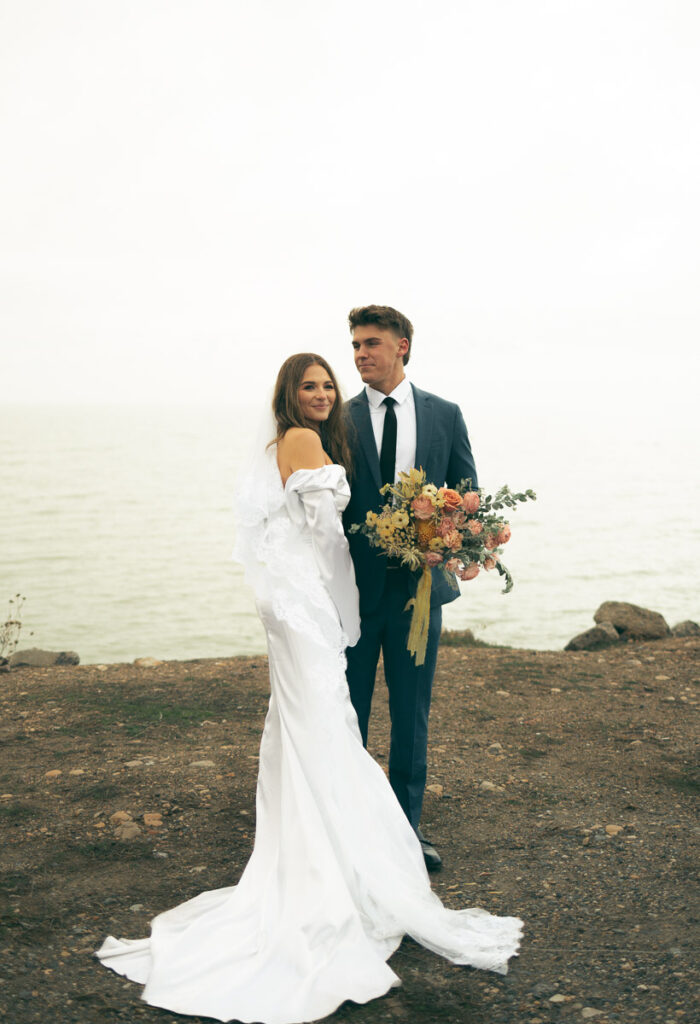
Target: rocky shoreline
[
  {"x": 617, "y": 621},
  {"x": 562, "y": 788}
]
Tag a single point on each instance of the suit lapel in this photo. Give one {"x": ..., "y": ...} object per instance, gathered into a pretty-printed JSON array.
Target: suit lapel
[
  {"x": 424, "y": 428},
  {"x": 363, "y": 423}
]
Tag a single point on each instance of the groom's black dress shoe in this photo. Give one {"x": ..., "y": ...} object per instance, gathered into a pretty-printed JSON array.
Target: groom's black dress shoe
[{"x": 433, "y": 860}]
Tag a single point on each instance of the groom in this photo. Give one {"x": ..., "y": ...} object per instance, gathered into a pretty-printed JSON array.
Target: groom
[{"x": 397, "y": 427}]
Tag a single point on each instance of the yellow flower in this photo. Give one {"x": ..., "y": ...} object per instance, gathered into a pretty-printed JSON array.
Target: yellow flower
[
  {"x": 436, "y": 544},
  {"x": 414, "y": 476},
  {"x": 371, "y": 518},
  {"x": 430, "y": 491},
  {"x": 400, "y": 518}
]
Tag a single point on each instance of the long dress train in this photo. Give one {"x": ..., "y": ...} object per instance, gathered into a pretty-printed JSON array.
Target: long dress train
[{"x": 336, "y": 877}]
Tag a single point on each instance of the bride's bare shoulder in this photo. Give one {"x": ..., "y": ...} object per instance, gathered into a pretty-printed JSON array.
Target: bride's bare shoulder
[
  {"x": 300, "y": 448},
  {"x": 300, "y": 440}
]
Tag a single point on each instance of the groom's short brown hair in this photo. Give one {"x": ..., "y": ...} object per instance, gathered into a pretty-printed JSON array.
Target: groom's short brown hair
[{"x": 387, "y": 318}]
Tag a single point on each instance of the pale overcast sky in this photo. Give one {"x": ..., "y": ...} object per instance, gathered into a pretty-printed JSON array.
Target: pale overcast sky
[{"x": 190, "y": 191}]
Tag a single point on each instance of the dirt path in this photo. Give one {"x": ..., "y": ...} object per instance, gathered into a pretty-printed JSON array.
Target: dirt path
[{"x": 590, "y": 834}]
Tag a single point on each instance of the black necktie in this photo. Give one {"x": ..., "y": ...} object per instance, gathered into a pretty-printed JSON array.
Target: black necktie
[{"x": 387, "y": 456}]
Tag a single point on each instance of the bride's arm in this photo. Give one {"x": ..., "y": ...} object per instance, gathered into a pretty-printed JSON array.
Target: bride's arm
[
  {"x": 316, "y": 494},
  {"x": 332, "y": 555}
]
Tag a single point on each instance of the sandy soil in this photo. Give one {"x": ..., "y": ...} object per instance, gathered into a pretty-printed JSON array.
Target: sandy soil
[{"x": 589, "y": 834}]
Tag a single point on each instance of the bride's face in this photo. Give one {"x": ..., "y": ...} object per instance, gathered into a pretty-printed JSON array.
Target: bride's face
[{"x": 316, "y": 395}]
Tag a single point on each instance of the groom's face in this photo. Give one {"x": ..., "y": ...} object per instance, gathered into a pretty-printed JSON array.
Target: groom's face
[{"x": 379, "y": 356}]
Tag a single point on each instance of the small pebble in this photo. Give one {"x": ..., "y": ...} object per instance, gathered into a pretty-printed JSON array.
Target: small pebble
[
  {"x": 119, "y": 817},
  {"x": 129, "y": 830},
  {"x": 490, "y": 787}
]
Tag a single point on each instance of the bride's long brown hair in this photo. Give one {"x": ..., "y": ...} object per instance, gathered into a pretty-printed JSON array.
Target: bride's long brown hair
[{"x": 287, "y": 408}]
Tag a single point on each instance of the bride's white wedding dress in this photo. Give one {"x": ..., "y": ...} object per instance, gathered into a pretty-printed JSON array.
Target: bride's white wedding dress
[{"x": 336, "y": 877}]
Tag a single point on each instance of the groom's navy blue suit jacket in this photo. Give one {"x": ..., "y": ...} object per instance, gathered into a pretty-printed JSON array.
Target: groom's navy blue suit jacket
[{"x": 442, "y": 450}]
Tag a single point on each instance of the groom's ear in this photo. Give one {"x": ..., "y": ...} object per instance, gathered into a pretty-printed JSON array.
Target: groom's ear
[{"x": 404, "y": 347}]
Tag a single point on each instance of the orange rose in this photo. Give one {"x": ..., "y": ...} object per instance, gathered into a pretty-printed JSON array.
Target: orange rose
[
  {"x": 470, "y": 502},
  {"x": 474, "y": 526},
  {"x": 489, "y": 563},
  {"x": 491, "y": 541},
  {"x": 452, "y": 499}
]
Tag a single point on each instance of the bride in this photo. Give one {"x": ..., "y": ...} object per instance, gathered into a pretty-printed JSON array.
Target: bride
[{"x": 337, "y": 876}]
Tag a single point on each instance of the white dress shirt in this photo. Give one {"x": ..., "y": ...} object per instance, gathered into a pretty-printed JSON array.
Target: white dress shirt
[{"x": 405, "y": 410}]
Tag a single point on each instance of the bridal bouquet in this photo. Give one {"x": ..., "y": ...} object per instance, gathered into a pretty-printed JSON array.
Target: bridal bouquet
[{"x": 456, "y": 530}]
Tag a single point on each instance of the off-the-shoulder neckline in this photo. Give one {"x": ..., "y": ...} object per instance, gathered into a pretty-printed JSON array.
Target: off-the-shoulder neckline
[{"x": 316, "y": 469}]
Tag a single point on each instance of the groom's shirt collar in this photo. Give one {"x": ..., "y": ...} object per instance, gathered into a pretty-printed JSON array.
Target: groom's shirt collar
[
  {"x": 401, "y": 392},
  {"x": 405, "y": 422}
]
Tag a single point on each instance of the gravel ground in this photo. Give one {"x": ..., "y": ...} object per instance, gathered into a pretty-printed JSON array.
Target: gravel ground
[{"x": 562, "y": 790}]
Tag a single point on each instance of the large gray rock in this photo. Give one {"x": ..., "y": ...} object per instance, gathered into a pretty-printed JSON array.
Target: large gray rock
[
  {"x": 36, "y": 658},
  {"x": 603, "y": 635},
  {"x": 686, "y": 628},
  {"x": 632, "y": 622}
]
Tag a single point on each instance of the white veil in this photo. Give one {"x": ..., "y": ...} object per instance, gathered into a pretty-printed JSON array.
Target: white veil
[
  {"x": 254, "y": 484},
  {"x": 257, "y": 494}
]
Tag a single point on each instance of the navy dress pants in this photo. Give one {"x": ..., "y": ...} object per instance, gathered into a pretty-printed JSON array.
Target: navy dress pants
[{"x": 409, "y": 687}]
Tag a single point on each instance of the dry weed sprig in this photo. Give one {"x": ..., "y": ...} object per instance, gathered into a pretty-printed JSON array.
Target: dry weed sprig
[{"x": 11, "y": 628}]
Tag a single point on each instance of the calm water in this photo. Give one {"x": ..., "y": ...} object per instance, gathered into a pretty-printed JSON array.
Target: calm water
[{"x": 115, "y": 523}]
